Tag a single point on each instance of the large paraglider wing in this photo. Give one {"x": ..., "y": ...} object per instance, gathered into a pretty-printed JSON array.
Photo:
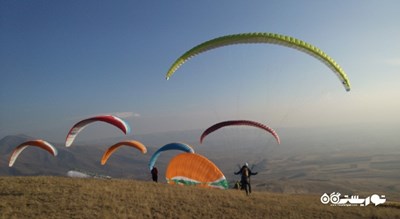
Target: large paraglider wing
[
  {"x": 37, "y": 143},
  {"x": 78, "y": 127},
  {"x": 194, "y": 169},
  {"x": 270, "y": 38},
  {"x": 236, "y": 123},
  {"x": 112, "y": 149},
  {"x": 172, "y": 146}
]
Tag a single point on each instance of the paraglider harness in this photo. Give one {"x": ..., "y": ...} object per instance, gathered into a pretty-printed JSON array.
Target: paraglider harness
[{"x": 245, "y": 171}]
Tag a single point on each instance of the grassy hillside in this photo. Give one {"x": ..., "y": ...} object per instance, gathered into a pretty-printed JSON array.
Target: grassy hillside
[{"x": 61, "y": 197}]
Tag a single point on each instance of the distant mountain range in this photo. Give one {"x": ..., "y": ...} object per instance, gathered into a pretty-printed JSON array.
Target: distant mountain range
[{"x": 307, "y": 161}]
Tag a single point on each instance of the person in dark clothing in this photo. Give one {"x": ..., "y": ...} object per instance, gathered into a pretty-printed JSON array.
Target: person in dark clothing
[
  {"x": 245, "y": 171},
  {"x": 154, "y": 174}
]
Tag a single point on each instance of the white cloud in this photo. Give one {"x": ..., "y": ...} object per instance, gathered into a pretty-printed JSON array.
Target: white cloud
[{"x": 125, "y": 115}]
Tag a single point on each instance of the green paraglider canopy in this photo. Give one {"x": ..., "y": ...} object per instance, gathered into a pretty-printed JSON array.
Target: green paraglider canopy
[{"x": 270, "y": 38}]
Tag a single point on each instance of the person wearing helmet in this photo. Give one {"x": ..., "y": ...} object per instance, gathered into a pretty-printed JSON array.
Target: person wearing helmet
[{"x": 245, "y": 172}]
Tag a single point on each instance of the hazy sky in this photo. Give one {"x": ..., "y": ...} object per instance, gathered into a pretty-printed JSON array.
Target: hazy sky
[{"x": 63, "y": 61}]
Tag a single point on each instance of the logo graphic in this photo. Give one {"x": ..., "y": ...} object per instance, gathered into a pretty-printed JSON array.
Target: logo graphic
[{"x": 353, "y": 200}]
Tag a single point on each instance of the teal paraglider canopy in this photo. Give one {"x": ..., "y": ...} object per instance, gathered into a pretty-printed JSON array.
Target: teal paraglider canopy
[{"x": 171, "y": 146}]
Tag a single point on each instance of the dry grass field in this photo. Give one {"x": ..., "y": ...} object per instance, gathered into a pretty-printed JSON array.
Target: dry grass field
[{"x": 61, "y": 197}]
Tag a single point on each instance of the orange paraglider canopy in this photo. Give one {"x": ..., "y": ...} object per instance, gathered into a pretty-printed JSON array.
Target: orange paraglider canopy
[
  {"x": 37, "y": 143},
  {"x": 113, "y": 148},
  {"x": 194, "y": 169}
]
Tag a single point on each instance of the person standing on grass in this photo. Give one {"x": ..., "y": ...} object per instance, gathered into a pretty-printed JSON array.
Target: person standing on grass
[
  {"x": 245, "y": 179},
  {"x": 154, "y": 174}
]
